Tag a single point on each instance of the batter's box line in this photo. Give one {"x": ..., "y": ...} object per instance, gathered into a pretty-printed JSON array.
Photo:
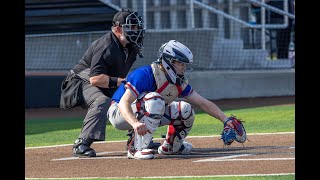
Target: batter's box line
[
  {"x": 234, "y": 148},
  {"x": 214, "y": 157},
  {"x": 230, "y": 158}
]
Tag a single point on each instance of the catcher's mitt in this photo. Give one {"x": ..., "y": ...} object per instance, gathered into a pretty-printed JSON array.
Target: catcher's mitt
[{"x": 232, "y": 132}]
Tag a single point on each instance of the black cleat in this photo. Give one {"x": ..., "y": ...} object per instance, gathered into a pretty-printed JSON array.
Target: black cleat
[
  {"x": 154, "y": 145},
  {"x": 81, "y": 148}
]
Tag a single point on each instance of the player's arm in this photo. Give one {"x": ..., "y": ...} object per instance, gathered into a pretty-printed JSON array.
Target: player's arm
[
  {"x": 100, "y": 67},
  {"x": 206, "y": 105},
  {"x": 105, "y": 81},
  {"x": 126, "y": 111}
]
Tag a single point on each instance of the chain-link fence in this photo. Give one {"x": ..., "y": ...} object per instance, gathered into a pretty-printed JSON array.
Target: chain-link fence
[{"x": 214, "y": 30}]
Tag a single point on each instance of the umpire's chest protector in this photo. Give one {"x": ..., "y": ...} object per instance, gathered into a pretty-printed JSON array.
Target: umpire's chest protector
[{"x": 167, "y": 90}]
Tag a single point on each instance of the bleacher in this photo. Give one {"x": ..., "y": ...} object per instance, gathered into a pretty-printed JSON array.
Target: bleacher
[
  {"x": 58, "y": 33},
  {"x": 57, "y": 16}
]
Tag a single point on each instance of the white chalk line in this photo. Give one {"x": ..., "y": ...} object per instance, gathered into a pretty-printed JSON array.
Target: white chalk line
[
  {"x": 220, "y": 158},
  {"x": 166, "y": 177},
  {"x": 249, "y": 134}
]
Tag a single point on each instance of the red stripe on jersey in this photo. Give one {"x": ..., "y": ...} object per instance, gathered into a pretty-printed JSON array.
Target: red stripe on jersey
[
  {"x": 179, "y": 89},
  {"x": 163, "y": 87},
  {"x": 132, "y": 88}
]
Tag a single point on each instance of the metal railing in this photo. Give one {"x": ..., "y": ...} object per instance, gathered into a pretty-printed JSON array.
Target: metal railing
[{"x": 263, "y": 26}]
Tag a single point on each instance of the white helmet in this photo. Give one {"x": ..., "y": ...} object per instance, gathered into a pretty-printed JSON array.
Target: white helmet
[{"x": 175, "y": 51}]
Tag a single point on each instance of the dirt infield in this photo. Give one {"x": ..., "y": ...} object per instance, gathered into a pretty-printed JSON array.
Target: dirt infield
[{"x": 263, "y": 154}]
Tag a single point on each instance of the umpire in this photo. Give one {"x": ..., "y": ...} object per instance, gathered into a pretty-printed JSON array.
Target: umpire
[{"x": 102, "y": 69}]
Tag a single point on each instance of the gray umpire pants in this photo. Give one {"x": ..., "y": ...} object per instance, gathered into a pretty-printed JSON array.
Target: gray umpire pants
[{"x": 95, "y": 121}]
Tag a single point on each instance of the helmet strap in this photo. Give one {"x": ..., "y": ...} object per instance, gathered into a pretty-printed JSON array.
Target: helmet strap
[{"x": 180, "y": 80}]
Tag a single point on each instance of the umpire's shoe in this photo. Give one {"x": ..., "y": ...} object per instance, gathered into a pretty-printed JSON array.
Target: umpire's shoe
[{"x": 81, "y": 148}]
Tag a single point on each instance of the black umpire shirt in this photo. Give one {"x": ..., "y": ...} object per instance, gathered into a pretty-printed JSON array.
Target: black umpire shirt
[{"x": 107, "y": 56}]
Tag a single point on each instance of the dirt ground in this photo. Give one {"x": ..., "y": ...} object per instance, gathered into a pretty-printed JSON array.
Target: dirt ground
[{"x": 263, "y": 154}]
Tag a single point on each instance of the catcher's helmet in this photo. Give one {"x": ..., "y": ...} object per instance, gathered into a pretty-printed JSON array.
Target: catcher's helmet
[
  {"x": 132, "y": 26},
  {"x": 175, "y": 51}
]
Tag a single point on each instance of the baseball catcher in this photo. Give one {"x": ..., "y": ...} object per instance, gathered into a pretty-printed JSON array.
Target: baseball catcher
[
  {"x": 233, "y": 131},
  {"x": 172, "y": 100}
]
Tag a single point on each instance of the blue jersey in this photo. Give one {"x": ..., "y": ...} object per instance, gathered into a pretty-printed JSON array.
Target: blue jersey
[{"x": 142, "y": 80}]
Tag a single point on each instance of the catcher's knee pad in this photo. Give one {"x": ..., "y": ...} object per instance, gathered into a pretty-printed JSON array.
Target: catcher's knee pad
[
  {"x": 181, "y": 114},
  {"x": 149, "y": 104},
  {"x": 150, "y": 108}
]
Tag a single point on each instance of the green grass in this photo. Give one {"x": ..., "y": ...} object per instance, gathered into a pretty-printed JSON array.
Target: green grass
[{"x": 42, "y": 132}]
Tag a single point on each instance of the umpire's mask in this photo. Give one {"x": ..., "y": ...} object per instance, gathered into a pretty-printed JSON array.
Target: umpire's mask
[{"x": 132, "y": 26}]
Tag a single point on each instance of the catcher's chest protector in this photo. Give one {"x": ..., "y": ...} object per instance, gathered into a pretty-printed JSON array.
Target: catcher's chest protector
[{"x": 168, "y": 91}]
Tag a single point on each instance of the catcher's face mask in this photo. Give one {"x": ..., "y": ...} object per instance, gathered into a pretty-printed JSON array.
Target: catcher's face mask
[{"x": 176, "y": 59}]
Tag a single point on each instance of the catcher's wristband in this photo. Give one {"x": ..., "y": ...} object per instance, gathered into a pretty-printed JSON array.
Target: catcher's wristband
[{"x": 113, "y": 81}]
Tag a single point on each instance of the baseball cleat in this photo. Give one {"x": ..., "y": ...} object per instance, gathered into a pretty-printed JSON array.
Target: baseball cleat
[
  {"x": 143, "y": 154},
  {"x": 166, "y": 148},
  {"x": 81, "y": 148}
]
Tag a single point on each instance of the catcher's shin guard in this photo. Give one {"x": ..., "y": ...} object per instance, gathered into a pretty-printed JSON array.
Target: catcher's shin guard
[
  {"x": 149, "y": 109},
  {"x": 142, "y": 142},
  {"x": 137, "y": 150},
  {"x": 152, "y": 144},
  {"x": 166, "y": 148},
  {"x": 182, "y": 118},
  {"x": 138, "y": 147},
  {"x": 175, "y": 143}
]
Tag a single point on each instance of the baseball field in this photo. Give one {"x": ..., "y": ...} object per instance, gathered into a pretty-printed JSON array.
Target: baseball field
[{"x": 269, "y": 152}]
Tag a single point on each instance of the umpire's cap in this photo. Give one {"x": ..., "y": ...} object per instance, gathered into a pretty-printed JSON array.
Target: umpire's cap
[{"x": 120, "y": 17}]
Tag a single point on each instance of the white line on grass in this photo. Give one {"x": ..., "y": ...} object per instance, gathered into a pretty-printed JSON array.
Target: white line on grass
[
  {"x": 166, "y": 177},
  {"x": 235, "y": 175}
]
